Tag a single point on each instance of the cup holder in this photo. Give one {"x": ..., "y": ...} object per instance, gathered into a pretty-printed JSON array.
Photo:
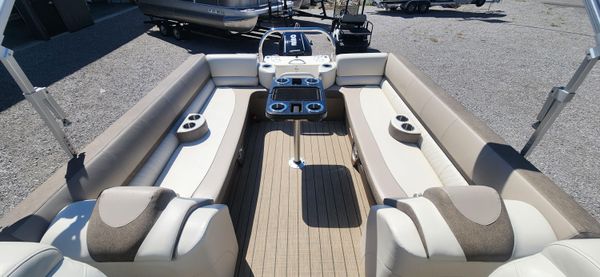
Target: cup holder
[
  {"x": 278, "y": 107},
  {"x": 192, "y": 128},
  {"x": 402, "y": 118},
  {"x": 407, "y": 127},
  {"x": 312, "y": 81},
  {"x": 282, "y": 81},
  {"x": 194, "y": 117},
  {"x": 314, "y": 107},
  {"x": 403, "y": 131},
  {"x": 189, "y": 125}
]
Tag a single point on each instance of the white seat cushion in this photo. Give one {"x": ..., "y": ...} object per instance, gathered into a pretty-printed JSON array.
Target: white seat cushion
[
  {"x": 394, "y": 168},
  {"x": 234, "y": 70},
  {"x": 567, "y": 258},
  {"x": 360, "y": 69},
  {"x": 35, "y": 259}
]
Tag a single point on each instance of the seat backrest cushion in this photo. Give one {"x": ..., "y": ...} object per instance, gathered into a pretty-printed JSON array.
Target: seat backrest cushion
[
  {"x": 360, "y": 69},
  {"x": 358, "y": 19},
  {"x": 239, "y": 70},
  {"x": 122, "y": 218},
  {"x": 481, "y": 156}
]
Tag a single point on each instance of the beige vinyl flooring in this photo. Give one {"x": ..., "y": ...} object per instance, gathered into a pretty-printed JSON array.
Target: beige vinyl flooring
[{"x": 292, "y": 222}]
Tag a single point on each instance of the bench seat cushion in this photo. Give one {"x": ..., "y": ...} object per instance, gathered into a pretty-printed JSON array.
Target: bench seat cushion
[
  {"x": 483, "y": 157},
  {"x": 394, "y": 169},
  {"x": 201, "y": 168}
]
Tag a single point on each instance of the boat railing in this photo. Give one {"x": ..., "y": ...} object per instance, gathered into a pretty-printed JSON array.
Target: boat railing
[{"x": 282, "y": 30}]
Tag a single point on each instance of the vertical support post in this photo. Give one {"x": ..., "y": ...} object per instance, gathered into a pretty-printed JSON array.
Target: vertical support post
[
  {"x": 363, "y": 7},
  {"x": 42, "y": 102},
  {"x": 296, "y": 161},
  {"x": 270, "y": 13},
  {"x": 557, "y": 99},
  {"x": 297, "y": 133}
]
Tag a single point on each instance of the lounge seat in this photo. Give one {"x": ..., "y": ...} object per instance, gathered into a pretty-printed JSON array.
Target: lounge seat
[
  {"x": 146, "y": 231},
  {"x": 25, "y": 259},
  {"x": 394, "y": 169},
  {"x": 202, "y": 168},
  {"x": 481, "y": 156},
  {"x": 452, "y": 231},
  {"x": 460, "y": 149},
  {"x": 140, "y": 149},
  {"x": 115, "y": 156}
]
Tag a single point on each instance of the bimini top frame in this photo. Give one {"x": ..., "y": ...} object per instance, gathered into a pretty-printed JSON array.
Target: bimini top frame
[
  {"x": 559, "y": 96},
  {"x": 5, "y": 10},
  {"x": 39, "y": 98}
]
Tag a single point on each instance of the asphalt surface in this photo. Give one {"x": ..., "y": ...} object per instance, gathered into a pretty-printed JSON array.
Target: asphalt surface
[{"x": 498, "y": 61}]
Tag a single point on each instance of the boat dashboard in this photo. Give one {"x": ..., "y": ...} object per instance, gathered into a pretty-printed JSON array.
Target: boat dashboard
[{"x": 322, "y": 67}]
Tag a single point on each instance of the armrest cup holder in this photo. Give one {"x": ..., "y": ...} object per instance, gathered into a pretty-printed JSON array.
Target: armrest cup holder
[
  {"x": 194, "y": 127},
  {"x": 403, "y": 130}
]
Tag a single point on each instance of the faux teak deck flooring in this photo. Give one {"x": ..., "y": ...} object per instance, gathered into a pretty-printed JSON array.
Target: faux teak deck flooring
[{"x": 293, "y": 222}]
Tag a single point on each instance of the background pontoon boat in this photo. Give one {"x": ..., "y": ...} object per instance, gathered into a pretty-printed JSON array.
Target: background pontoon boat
[
  {"x": 350, "y": 27},
  {"x": 422, "y": 6},
  {"x": 231, "y": 15},
  {"x": 246, "y": 164}
]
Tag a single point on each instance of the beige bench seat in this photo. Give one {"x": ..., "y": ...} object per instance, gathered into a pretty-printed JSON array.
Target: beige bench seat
[
  {"x": 457, "y": 147},
  {"x": 395, "y": 169},
  {"x": 201, "y": 168},
  {"x": 140, "y": 149}
]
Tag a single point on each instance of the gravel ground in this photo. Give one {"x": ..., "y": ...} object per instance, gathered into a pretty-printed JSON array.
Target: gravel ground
[{"x": 498, "y": 62}]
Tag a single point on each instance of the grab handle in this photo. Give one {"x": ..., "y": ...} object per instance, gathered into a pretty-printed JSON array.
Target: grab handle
[{"x": 282, "y": 30}]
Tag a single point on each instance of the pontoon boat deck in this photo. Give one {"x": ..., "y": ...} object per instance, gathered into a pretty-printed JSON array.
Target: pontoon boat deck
[{"x": 246, "y": 165}]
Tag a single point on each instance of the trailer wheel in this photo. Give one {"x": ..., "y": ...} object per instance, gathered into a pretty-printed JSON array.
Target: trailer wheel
[
  {"x": 411, "y": 7},
  {"x": 164, "y": 29},
  {"x": 393, "y": 8},
  {"x": 178, "y": 33},
  {"x": 423, "y": 7}
]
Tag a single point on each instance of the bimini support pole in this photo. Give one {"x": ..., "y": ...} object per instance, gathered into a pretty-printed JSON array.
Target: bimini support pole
[
  {"x": 559, "y": 96},
  {"x": 41, "y": 100}
]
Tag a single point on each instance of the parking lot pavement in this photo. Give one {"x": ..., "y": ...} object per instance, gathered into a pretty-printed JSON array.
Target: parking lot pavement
[{"x": 498, "y": 61}]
